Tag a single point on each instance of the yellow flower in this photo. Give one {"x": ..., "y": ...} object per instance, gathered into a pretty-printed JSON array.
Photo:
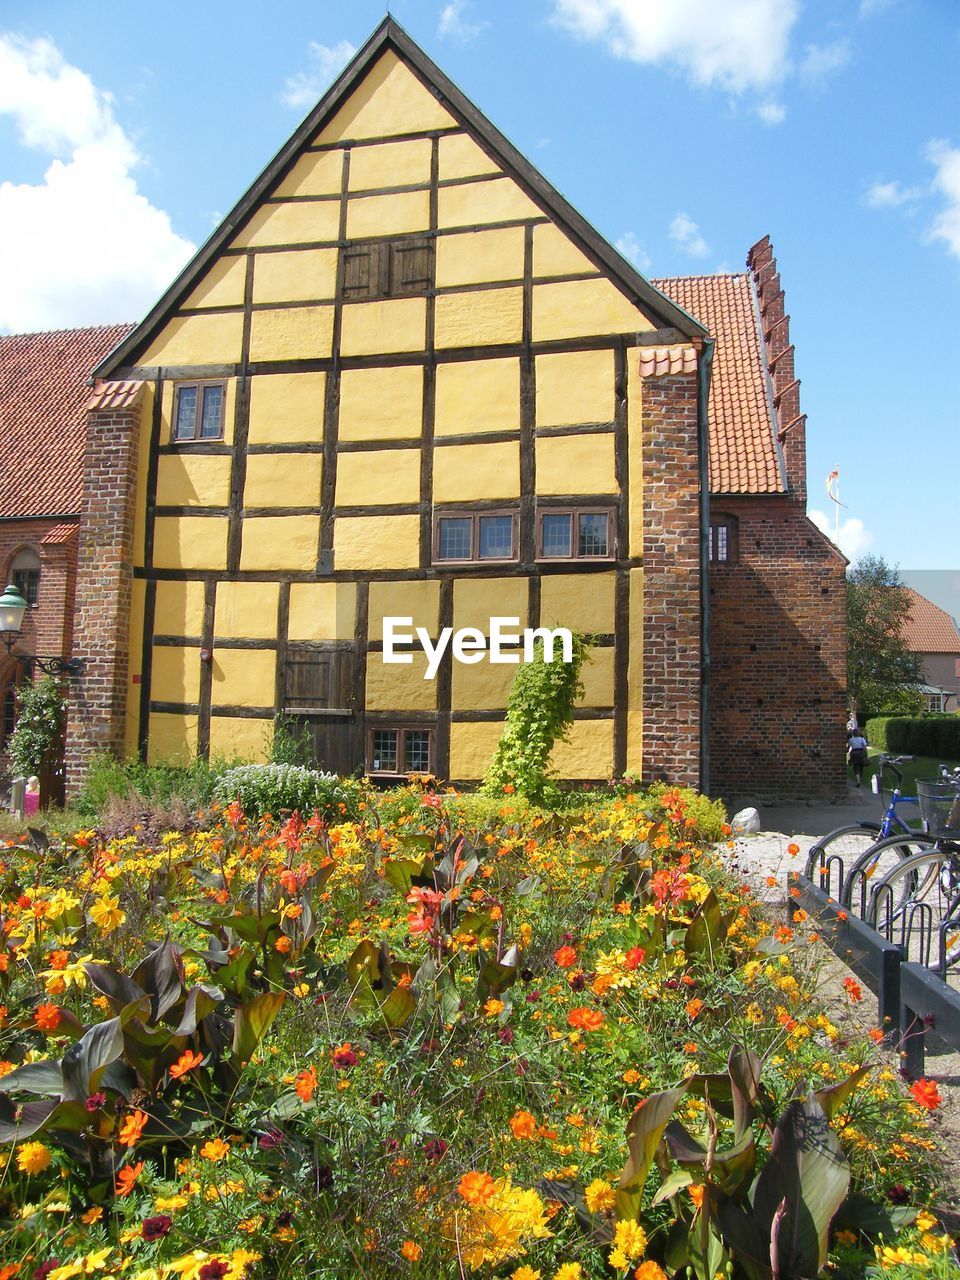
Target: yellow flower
[
  {"x": 526, "y": 1273},
  {"x": 91, "y": 1216},
  {"x": 106, "y": 914},
  {"x": 33, "y": 1157},
  {"x": 599, "y": 1196},
  {"x": 215, "y": 1150},
  {"x": 629, "y": 1243},
  {"x": 569, "y": 1271},
  {"x": 170, "y": 1204},
  {"x": 925, "y": 1221}
]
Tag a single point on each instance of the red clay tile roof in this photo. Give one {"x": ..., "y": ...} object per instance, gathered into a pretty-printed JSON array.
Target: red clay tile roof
[
  {"x": 744, "y": 457},
  {"x": 60, "y": 533},
  {"x": 113, "y": 395},
  {"x": 929, "y": 629},
  {"x": 43, "y": 400}
]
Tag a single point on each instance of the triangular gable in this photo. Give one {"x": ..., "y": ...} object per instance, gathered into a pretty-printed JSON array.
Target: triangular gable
[{"x": 391, "y": 88}]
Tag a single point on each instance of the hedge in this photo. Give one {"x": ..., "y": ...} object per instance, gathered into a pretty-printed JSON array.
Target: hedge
[{"x": 916, "y": 735}]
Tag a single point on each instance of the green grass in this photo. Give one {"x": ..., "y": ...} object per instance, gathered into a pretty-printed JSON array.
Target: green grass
[{"x": 913, "y": 768}]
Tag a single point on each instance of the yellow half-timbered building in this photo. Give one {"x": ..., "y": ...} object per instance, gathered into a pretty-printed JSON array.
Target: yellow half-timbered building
[{"x": 404, "y": 378}]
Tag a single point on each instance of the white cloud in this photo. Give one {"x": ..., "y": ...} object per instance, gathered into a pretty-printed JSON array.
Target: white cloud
[
  {"x": 821, "y": 60},
  {"x": 685, "y": 233},
  {"x": 869, "y": 7},
  {"x": 456, "y": 25},
  {"x": 890, "y": 195},
  {"x": 853, "y": 538},
  {"x": 772, "y": 112},
  {"x": 326, "y": 62},
  {"x": 737, "y": 45},
  {"x": 84, "y": 246},
  {"x": 946, "y": 181},
  {"x": 633, "y": 251}
]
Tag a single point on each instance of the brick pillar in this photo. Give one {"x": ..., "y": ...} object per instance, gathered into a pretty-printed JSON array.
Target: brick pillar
[
  {"x": 97, "y": 712},
  {"x": 671, "y": 580}
]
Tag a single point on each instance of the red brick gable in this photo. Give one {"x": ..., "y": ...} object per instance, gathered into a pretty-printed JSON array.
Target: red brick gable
[{"x": 43, "y": 400}]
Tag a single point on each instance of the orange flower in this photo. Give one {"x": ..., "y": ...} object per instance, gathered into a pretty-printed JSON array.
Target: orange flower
[
  {"x": 565, "y": 957},
  {"x": 876, "y": 1035},
  {"x": 634, "y": 959},
  {"x": 59, "y": 959},
  {"x": 306, "y": 1083},
  {"x": 215, "y": 1150},
  {"x": 799, "y": 915},
  {"x": 283, "y": 944},
  {"x": 523, "y": 1125},
  {"x": 9, "y": 1271},
  {"x": 695, "y": 1192},
  {"x": 853, "y": 990},
  {"x": 186, "y": 1062},
  {"x": 47, "y": 1017},
  {"x": 132, "y": 1128},
  {"x": 793, "y": 849},
  {"x": 411, "y": 1251},
  {"x": 585, "y": 1019},
  {"x": 693, "y": 1007},
  {"x": 783, "y": 933},
  {"x": 127, "y": 1178},
  {"x": 649, "y": 1270},
  {"x": 477, "y": 1188},
  {"x": 926, "y": 1094}
]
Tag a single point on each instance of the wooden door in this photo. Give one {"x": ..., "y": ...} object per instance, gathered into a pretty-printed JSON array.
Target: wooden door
[{"x": 320, "y": 695}]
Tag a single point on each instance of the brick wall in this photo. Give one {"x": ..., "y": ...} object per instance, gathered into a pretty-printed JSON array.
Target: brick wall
[
  {"x": 671, "y": 580},
  {"x": 104, "y": 582},
  {"x": 778, "y": 656}
]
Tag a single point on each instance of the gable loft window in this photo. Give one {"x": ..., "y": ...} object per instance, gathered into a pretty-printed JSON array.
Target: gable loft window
[
  {"x": 400, "y": 750},
  {"x": 575, "y": 535},
  {"x": 723, "y": 540},
  {"x": 386, "y": 269},
  {"x": 198, "y": 410},
  {"x": 461, "y": 537},
  {"x": 25, "y": 576}
]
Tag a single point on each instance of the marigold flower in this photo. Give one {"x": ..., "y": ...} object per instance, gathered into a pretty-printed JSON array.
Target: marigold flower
[
  {"x": 132, "y": 1128},
  {"x": 47, "y": 1017},
  {"x": 187, "y": 1061},
  {"x": 492, "y": 1007},
  {"x": 127, "y": 1178},
  {"x": 585, "y": 1019},
  {"x": 344, "y": 1057},
  {"x": 565, "y": 956},
  {"x": 523, "y": 1125},
  {"x": 306, "y": 1083},
  {"x": 525, "y": 1273},
  {"x": 59, "y": 959},
  {"x": 569, "y": 1271},
  {"x": 33, "y": 1157},
  {"x": 793, "y": 849},
  {"x": 695, "y": 1192},
  {"x": 926, "y": 1094},
  {"x": 92, "y": 1215},
  {"x": 283, "y": 944},
  {"x": 650, "y": 1271},
  {"x": 214, "y": 1150},
  {"x": 411, "y": 1251},
  {"x": 476, "y": 1188},
  {"x": 693, "y": 1007},
  {"x": 599, "y": 1196}
]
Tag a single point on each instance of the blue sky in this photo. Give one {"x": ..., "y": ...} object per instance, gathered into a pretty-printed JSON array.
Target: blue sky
[{"x": 683, "y": 129}]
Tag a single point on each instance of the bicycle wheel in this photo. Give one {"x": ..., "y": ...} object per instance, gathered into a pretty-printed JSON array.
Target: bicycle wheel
[
  {"x": 874, "y": 863},
  {"x": 914, "y": 903},
  {"x": 846, "y": 843}
]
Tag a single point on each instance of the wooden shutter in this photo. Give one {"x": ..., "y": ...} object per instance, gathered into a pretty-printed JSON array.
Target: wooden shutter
[
  {"x": 411, "y": 267},
  {"x": 319, "y": 680},
  {"x": 361, "y": 271}
]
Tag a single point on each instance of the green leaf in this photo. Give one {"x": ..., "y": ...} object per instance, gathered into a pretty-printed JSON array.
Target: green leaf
[
  {"x": 252, "y": 1022},
  {"x": 160, "y": 975},
  {"x": 85, "y": 1062},
  {"x": 400, "y": 872},
  {"x": 744, "y": 1068},
  {"x": 644, "y": 1132},
  {"x": 34, "y": 1077},
  {"x": 832, "y": 1099},
  {"x": 200, "y": 1002},
  {"x": 676, "y": 1181},
  {"x": 34, "y": 1117},
  {"x": 116, "y": 986},
  {"x": 397, "y": 1007}
]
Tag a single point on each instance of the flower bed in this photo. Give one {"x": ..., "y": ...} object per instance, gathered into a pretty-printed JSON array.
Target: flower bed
[{"x": 521, "y": 1045}]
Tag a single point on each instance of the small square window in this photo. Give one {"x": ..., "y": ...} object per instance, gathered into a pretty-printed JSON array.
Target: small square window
[
  {"x": 416, "y": 751},
  {"x": 592, "y": 534},
  {"x": 496, "y": 538},
  {"x": 384, "y": 750},
  {"x": 456, "y": 538},
  {"x": 472, "y": 537},
  {"x": 198, "y": 413},
  {"x": 575, "y": 535},
  {"x": 400, "y": 750},
  {"x": 556, "y": 536}
]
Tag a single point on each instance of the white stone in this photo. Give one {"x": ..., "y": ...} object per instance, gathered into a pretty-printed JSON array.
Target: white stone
[{"x": 746, "y": 822}]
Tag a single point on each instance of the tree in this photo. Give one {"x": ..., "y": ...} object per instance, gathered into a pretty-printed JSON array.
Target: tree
[{"x": 882, "y": 673}]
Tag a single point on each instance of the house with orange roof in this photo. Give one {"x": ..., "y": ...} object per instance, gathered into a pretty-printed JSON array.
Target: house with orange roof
[{"x": 932, "y": 634}]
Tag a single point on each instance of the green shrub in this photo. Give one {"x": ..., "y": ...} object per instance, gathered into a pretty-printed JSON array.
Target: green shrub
[
  {"x": 36, "y": 741},
  {"x": 292, "y": 743},
  {"x": 933, "y": 735},
  {"x": 273, "y": 788},
  {"x": 110, "y": 780}
]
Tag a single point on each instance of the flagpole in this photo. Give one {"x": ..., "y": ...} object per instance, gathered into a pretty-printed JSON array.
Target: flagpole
[{"x": 836, "y": 508}]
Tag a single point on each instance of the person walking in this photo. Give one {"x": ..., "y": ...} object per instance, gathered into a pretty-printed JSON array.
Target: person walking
[{"x": 857, "y": 753}]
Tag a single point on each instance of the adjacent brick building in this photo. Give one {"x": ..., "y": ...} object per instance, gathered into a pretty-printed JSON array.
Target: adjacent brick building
[{"x": 932, "y": 634}]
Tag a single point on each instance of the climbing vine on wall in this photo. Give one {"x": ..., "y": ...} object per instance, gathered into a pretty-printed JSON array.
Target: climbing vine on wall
[{"x": 36, "y": 741}]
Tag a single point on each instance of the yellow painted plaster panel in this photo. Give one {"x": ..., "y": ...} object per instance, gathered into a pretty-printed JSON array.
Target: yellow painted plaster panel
[
  {"x": 588, "y": 754},
  {"x": 472, "y": 747},
  {"x": 575, "y": 387},
  {"x": 283, "y": 480},
  {"x": 190, "y": 542},
  {"x": 484, "y": 687},
  {"x": 469, "y": 472},
  {"x": 460, "y": 157},
  {"x": 389, "y": 100},
  {"x": 175, "y": 674},
  {"x": 280, "y": 542},
  {"x": 399, "y": 687},
  {"x": 381, "y": 404},
  {"x": 581, "y": 308},
  {"x": 179, "y": 609},
  {"x": 419, "y": 601},
  {"x": 471, "y": 204},
  {"x": 198, "y": 340},
  {"x": 246, "y": 740},
  {"x": 376, "y": 542},
  {"x": 388, "y": 215},
  {"x": 166, "y": 413},
  {"x": 322, "y": 611},
  {"x": 554, "y": 254},
  {"x": 378, "y": 328},
  {"x": 244, "y": 677},
  {"x": 477, "y": 600},
  {"x": 581, "y": 601},
  {"x": 479, "y": 319},
  {"x": 294, "y": 333},
  {"x": 173, "y": 739},
  {"x": 246, "y": 610},
  {"x": 477, "y": 395},
  {"x": 318, "y": 173},
  {"x": 597, "y": 677},
  {"x": 635, "y": 677},
  {"x": 222, "y": 285},
  {"x": 635, "y": 456},
  {"x": 378, "y": 478},
  {"x": 286, "y": 407},
  {"x": 302, "y": 222},
  {"x": 192, "y": 480},
  {"x": 576, "y": 464},
  {"x": 477, "y": 257},
  {"x": 299, "y": 276},
  {"x": 394, "y": 164}
]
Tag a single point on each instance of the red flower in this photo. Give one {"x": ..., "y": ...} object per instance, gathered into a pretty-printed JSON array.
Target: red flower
[
  {"x": 853, "y": 990},
  {"x": 156, "y": 1228},
  {"x": 344, "y": 1057},
  {"x": 432, "y": 801},
  {"x": 585, "y": 1019},
  {"x": 565, "y": 957},
  {"x": 634, "y": 958},
  {"x": 214, "y": 1270},
  {"x": 95, "y": 1101},
  {"x": 47, "y": 1017},
  {"x": 306, "y": 1083},
  {"x": 926, "y": 1094}
]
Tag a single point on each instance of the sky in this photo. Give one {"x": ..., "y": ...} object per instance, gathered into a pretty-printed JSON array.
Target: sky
[{"x": 684, "y": 130}]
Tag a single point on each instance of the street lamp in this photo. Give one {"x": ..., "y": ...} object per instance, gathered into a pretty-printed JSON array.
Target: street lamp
[{"x": 12, "y": 608}]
